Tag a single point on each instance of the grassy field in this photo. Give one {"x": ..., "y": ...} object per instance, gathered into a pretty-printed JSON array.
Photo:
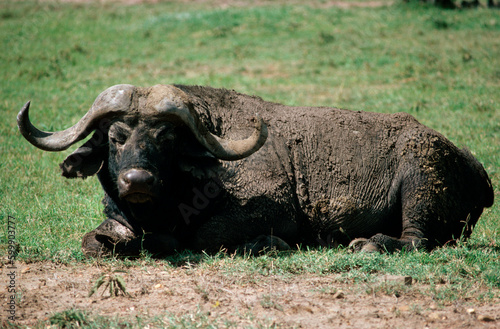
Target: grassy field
[{"x": 443, "y": 67}]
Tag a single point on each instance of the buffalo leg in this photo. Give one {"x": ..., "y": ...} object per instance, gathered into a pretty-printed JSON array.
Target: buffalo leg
[
  {"x": 107, "y": 239},
  {"x": 247, "y": 234},
  {"x": 381, "y": 242},
  {"x": 434, "y": 211},
  {"x": 112, "y": 238},
  {"x": 264, "y": 243}
]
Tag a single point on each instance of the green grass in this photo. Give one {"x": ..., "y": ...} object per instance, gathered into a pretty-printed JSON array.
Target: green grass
[
  {"x": 441, "y": 66},
  {"x": 79, "y": 319}
]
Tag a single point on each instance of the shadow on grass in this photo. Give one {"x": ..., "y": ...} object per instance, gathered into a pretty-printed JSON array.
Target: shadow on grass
[{"x": 188, "y": 257}]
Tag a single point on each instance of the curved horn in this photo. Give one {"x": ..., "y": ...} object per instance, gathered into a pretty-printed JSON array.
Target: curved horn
[
  {"x": 176, "y": 103},
  {"x": 111, "y": 102},
  {"x": 226, "y": 149}
]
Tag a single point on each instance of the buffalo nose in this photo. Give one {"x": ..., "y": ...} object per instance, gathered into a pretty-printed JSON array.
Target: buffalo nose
[{"x": 137, "y": 177}]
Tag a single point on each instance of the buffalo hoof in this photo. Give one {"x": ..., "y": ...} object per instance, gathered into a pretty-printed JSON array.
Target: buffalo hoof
[
  {"x": 265, "y": 243},
  {"x": 107, "y": 239},
  {"x": 364, "y": 245},
  {"x": 92, "y": 247}
]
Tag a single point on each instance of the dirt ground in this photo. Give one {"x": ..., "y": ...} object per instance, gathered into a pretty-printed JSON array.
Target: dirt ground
[{"x": 285, "y": 301}]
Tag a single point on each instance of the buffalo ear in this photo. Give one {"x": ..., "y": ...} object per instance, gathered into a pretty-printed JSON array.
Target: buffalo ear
[{"x": 88, "y": 159}]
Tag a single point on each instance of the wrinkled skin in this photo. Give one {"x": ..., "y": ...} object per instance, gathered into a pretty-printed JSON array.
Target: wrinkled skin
[{"x": 325, "y": 176}]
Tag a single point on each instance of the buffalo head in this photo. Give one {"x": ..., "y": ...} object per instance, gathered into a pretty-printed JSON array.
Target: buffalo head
[{"x": 142, "y": 137}]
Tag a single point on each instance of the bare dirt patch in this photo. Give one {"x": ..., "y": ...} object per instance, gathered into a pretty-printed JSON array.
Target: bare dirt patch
[{"x": 307, "y": 301}]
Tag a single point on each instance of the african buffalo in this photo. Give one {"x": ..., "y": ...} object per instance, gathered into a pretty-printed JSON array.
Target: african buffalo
[{"x": 182, "y": 167}]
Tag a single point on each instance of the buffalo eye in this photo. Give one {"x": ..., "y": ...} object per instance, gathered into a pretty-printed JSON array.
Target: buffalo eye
[
  {"x": 118, "y": 135},
  {"x": 164, "y": 134},
  {"x": 118, "y": 139}
]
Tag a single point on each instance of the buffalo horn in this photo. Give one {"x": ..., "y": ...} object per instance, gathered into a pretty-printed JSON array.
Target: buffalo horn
[
  {"x": 113, "y": 101},
  {"x": 176, "y": 104}
]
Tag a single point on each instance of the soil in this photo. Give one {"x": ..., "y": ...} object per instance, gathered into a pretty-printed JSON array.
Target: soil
[{"x": 246, "y": 300}]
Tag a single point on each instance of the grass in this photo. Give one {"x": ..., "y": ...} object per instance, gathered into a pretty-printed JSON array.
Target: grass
[
  {"x": 440, "y": 66},
  {"x": 78, "y": 319}
]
